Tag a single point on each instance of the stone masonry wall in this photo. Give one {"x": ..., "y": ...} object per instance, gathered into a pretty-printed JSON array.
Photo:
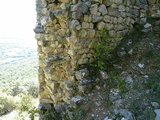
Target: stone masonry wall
[{"x": 65, "y": 31}]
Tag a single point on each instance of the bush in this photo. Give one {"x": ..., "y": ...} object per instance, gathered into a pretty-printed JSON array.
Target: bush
[
  {"x": 102, "y": 49},
  {"x": 32, "y": 89},
  {"x": 25, "y": 104},
  {"x": 6, "y": 104}
]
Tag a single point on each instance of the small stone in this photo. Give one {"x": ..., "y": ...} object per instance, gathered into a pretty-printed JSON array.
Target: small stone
[
  {"x": 98, "y": 103},
  {"x": 82, "y": 88},
  {"x": 129, "y": 80},
  {"x": 75, "y": 25},
  {"x": 147, "y": 25},
  {"x": 81, "y": 74},
  {"x": 155, "y": 104},
  {"x": 121, "y": 53},
  {"x": 75, "y": 100},
  {"x": 39, "y": 28},
  {"x": 104, "y": 75},
  {"x": 63, "y": 6},
  {"x": 130, "y": 52},
  {"x": 77, "y": 15},
  {"x": 146, "y": 76},
  {"x": 98, "y": 88},
  {"x": 140, "y": 65}
]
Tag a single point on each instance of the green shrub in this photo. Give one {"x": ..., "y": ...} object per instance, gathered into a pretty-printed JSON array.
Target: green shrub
[
  {"x": 6, "y": 104},
  {"x": 102, "y": 49},
  {"x": 25, "y": 104},
  {"x": 33, "y": 89}
]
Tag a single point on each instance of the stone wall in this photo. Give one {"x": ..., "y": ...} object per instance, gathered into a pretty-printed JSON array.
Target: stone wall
[{"x": 65, "y": 31}]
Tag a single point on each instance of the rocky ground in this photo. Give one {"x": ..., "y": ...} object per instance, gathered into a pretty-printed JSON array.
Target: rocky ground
[{"x": 130, "y": 89}]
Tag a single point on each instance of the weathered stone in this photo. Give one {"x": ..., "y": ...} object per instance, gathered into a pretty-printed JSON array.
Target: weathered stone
[
  {"x": 108, "y": 2},
  {"x": 155, "y": 104},
  {"x": 112, "y": 33},
  {"x": 118, "y": 1},
  {"x": 39, "y": 36},
  {"x": 86, "y": 18},
  {"x": 63, "y": 24},
  {"x": 80, "y": 7},
  {"x": 63, "y": 6},
  {"x": 109, "y": 26},
  {"x": 96, "y": 18},
  {"x": 115, "y": 6},
  {"x": 91, "y": 25},
  {"x": 107, "y": 18},
  {"x": 75, "y": 25},
  {"x": 77, "y": 15},
  {"x": 39, "y": 29},
  {"x": 120, "y": 33},
  {"x": 113, "y": 12},
  {"x": 91, "y": 33},
  {"x": 102, "y": 8},
  {"x": 85, "y": 25},
  {"x": 121, "y": 8},
  {"x": 82, "y": 33},
  {"x": 120, "y": 27},
  {"x": 82, "y": 88},
  {"x": 134, "y": 12},
  {"x": 94, "y": 9},
  {"x": 115, "y": 20},
  {"x": 101, "y": 25},
  {"x": 75, "y": 101},
  {"x": 120, "y": 20},
  {"x": 121, "y": 53},
  {"x": 147, "y": 25},
  {"x": 81, "y": 74},
  {"x": 59, "y": 14},
  {"x": 45, "y": 21},
  {"x": 104, "y": 75}
]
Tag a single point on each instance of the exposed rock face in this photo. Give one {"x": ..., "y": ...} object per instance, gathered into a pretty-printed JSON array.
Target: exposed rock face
[{"x": 65, "y": 30}]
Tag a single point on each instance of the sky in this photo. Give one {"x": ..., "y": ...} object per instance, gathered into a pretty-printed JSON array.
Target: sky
[{"x": 17, "y": 19}]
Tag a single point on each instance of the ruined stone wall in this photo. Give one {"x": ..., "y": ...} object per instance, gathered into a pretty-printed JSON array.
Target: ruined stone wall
[{"x": 65, "y": 31}]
